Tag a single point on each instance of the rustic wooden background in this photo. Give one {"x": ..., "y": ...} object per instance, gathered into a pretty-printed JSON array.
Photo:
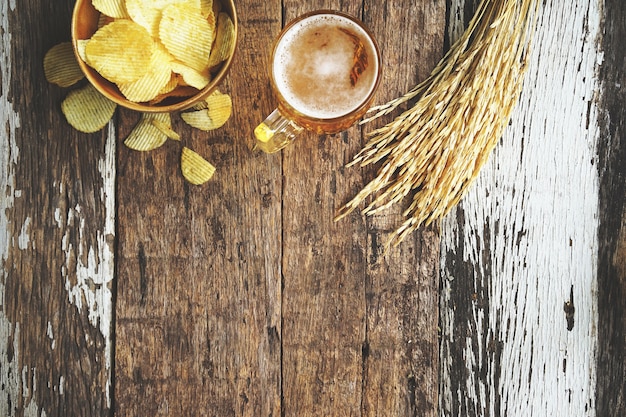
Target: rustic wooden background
[{"x": 126, "y": 291}]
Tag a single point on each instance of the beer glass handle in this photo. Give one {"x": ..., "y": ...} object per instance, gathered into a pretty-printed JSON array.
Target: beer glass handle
[{"x": 276, "y": 132}]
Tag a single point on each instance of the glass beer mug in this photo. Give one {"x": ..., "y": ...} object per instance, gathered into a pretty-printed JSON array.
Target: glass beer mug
[{"x": 324, "y": 70}]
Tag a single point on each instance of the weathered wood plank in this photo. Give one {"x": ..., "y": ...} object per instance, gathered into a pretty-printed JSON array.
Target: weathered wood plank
[
  {"x": 198, "y": 304},
  {"x": 519, "y": 255},
  {"x": 401, "y": 359},
  {"x": 56, "y": 233},
  {"x": 611, "y": 373},
  {"x": 355, "y": 341},
  {"x": 323, "y": 267}
]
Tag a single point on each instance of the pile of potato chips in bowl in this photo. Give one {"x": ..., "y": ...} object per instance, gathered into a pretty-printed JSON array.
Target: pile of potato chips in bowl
[{"x": 154, "y": 55}]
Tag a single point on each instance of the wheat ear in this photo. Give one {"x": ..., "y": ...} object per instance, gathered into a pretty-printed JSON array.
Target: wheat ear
[{"x": 434, "y": 150}]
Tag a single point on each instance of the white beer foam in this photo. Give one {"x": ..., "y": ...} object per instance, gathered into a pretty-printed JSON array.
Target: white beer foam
[{"x": 323, "y": 73}]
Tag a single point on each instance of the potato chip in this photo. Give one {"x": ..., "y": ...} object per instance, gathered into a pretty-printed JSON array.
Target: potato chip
[
  {"x": 147, "y": 13},
  {"x": 153, "y": 81},
  {"x": 198, "y": 119},
  {"x": 166, "y": 128},
  {"x": 120, "y": 51},
  {"x": 218, "y": 111},
  {"x": 187, "y": 35},
  {"x": 195, "y": 168},
  {"x": 60, "y": 65},
  {"x": 87, "y": 110},
  {"x": 224, "y": 40},
  {"x": 171, "y": 84},
  {"x": 111, "y": 8},
  {"x": 207, "y": 7},
  {"x": 220, "y": 107},
  {"x": 145, "y": 136},
  {"x": 190, "y": 76},
  {"x": 81, "y": 44}
]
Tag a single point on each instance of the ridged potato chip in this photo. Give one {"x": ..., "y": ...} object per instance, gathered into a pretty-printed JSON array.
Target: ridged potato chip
[
  {"x": 60, "y": 65},
  {"x": 171, "y": 84},
  {"x": 148, "y": 12},
  {"x": 224, "y": 40},
  {"x": 87, "y": 110},
  {"x": 111, "y": 8},
  {"x": 166, "y": 128},
  {"x": 195, "y": 168},
  {"x": 150, "y": 85},
  {"x": 145, "y": 136},
  {"x": 218, "y": 110},
  {"x": 207, "y": 7},
  {"x": 187, "y": 35},
  {"x": 81, "y": 44},
  {"x": 125, "y": 50},
  {"x": 191, "y": 76},
  {"x": 120, "y": 51}
]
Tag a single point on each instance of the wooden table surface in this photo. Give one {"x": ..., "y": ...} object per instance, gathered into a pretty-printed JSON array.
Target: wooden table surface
[{"x": 126, "y": 291}]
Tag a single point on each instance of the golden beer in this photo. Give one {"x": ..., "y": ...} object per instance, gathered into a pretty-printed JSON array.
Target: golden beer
[{"x": 325, "y": 68}]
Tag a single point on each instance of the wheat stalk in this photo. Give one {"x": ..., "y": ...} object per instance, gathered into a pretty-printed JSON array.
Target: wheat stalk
[{"x": 435, "y": 149}]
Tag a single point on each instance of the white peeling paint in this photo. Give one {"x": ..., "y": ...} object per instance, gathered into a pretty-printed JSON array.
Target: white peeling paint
[
  {"x": 50, "y": 334},
  {"x": 25, "y": 390},
  {"x": 89, "y": 271},
  {"x": 9, "y": 152},
  {"x": 10, "y": 377},
  {"x": 457, "y": 24},
  {"x": 32, "y": 410},
  {"x": 58, "y": 214},
  {"x": 537, "y": 201},
  {"x": 24, "y": 238}
]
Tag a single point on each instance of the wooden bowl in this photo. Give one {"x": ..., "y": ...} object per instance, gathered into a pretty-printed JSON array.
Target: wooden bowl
[{"x": 84, "y": 25}]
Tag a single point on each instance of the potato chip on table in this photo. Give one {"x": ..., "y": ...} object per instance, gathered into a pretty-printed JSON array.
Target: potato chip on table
[
  {"x": 210, "y": 114},
  {"x": 146, "y": 135},
  {"x": 87, "y": 110},
  {"x": 195, "y": 168},
  {"x": 60, "y": 65}
]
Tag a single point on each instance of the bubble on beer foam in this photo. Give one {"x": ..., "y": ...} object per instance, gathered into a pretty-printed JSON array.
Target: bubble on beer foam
[{"x": 320, "y": 87}]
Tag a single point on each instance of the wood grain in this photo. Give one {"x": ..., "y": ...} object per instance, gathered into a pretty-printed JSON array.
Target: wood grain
[
  {"x": 198, "y": 303},
  {"x": 611, "y": 387},
  {"x": 56, "y": 225},
  {"x": 402, "y": 360},
  {"x": 354, "y": 338},
  {"x": 323, "y": 265}
]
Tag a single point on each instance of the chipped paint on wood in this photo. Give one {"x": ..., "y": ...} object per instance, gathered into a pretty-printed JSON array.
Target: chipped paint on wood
[
  {"x": 10, "y": 375},
  {"x": 519, "y": 255},
  {"x": 89, "y": 271}
]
